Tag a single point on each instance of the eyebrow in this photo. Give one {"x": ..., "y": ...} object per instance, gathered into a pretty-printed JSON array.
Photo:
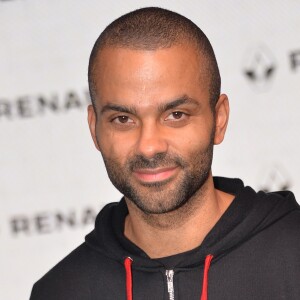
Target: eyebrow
[
  {"x": 119, "y": 108},
  {"x": 161, "y": 108},
  {"x": 177, "y": 102}
]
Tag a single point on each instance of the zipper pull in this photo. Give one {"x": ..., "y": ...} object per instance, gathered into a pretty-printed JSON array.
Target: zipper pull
[{"x": 170, "y": 275}]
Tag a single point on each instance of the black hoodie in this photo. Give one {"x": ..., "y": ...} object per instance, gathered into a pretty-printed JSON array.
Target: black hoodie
[{"x": 253, "y": 252}]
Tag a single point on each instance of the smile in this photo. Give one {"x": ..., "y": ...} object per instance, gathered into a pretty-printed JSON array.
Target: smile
[{"x": 155, "y": 175}]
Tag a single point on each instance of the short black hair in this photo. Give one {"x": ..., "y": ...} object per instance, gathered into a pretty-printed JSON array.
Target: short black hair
[{"x": 153, "y": 28}]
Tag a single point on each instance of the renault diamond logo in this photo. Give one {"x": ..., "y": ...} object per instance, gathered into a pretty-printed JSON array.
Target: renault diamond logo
[
  {"x": 259, "y": 67},
  {"x": 275, "y": 178}
]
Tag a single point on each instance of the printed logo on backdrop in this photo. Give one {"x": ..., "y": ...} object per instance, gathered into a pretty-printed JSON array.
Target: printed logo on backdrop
[
  {"x": 48, "y": 222},
  {"x": 32, "y": 106},
  {"x": 275, "y": 178},
  {"x": 295, "y": 60},
  {"x": 259, "y": 67}
]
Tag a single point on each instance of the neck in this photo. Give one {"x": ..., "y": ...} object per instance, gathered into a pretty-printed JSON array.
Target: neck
[{"x": 162, "y": 235}]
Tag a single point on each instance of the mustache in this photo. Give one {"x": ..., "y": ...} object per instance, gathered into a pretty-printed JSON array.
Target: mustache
[{"x": 159, "y": 160}]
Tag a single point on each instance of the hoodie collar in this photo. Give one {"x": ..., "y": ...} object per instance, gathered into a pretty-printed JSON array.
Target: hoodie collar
[{"x": 248, "y": 214}]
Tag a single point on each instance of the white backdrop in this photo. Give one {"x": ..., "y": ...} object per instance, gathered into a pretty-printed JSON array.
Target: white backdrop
[{"x": 52, "y": 181}]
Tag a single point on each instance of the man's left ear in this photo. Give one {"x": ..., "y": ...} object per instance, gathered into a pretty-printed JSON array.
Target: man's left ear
[{"x": 221, "y": 118}]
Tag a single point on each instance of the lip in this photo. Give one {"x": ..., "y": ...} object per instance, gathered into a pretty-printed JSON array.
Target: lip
[{"x": 155, "y": 175}]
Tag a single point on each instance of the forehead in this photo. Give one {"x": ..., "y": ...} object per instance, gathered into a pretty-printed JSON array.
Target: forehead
[{"x": 122, "y": 74}]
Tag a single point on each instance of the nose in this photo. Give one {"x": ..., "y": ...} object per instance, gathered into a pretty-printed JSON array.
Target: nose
[{"x": 152, "y": 140}]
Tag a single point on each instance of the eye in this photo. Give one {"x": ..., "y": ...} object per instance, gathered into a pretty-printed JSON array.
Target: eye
[
  {"x": 122, "y": 120},
  {"x": 176, "y": 115}
]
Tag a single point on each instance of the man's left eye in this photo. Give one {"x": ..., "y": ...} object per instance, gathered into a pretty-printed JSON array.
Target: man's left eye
[{"x": 176, "y": 115}]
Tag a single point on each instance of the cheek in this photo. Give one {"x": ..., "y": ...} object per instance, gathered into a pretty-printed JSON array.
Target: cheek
[
  {"x": 193, "y": 140},
  {"x": 114, "y": 146}
]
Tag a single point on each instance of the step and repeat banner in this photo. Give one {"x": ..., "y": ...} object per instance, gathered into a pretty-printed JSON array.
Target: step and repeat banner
[{"x": 53, "y": 181}]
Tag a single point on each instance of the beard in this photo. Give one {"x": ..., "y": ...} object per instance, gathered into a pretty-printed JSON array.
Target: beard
[{"x": 167, "y": 195}]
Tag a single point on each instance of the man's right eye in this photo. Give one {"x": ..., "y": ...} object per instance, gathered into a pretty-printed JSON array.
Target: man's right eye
[{"x": 122, "y": 120}]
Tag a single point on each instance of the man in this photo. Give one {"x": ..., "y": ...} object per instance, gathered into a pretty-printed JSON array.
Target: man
[{"x": 177, "y": 233}]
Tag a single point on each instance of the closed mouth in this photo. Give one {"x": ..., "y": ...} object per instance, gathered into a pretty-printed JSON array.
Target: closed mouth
[{"x": 155, "y": 175}]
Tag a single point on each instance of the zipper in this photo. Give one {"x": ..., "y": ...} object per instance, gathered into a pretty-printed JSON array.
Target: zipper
[{"x": 170, "y": 275}]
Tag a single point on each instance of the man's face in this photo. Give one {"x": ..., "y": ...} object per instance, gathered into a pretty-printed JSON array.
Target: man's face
[{"x": 154, "y": 126}]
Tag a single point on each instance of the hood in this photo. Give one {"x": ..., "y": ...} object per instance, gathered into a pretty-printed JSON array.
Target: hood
[{"x": 248, "y": 214}]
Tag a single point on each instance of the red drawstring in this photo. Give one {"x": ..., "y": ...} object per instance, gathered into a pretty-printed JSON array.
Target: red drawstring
[
  {"x": 127, "y": 265},
  {"x": 208, "y": 260}
]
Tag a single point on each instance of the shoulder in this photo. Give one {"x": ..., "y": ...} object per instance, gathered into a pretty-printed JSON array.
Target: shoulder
[
  {"x": 283, "y": 235},
  {"x": 57, "y": 282},
  {"x": 73, "y": 276},
  {"x": 288, "y": 228}
]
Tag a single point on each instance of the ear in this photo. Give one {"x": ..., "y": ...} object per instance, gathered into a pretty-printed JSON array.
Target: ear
[
  {"x": 221, "y": 118},
  {"x": 92, "y": 120}
]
